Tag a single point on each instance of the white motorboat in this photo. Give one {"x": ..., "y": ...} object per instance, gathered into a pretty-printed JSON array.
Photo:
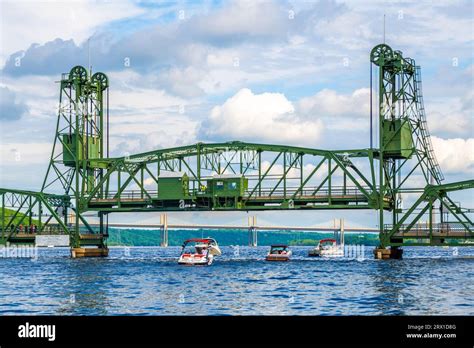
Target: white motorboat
[
  {"x": 279, "y": 252},
  {"x": 199, "y": 252},
  {"x": 327, "y": 248}
]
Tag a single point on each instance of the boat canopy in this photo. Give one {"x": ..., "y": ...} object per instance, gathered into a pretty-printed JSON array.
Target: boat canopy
[
  {"x": 199, "y": 240},
  {"x": 279, "y": 246},
  {"x": 327, "y": 240}
]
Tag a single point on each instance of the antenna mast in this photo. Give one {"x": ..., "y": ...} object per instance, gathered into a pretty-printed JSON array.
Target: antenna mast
[{"x": 384, "y": 28}]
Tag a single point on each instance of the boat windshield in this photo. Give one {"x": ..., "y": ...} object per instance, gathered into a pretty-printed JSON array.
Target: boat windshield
[
  {"x": 201, "y": 249},
  {"x": 279, "y": 250},
  {"x": 327, "y": 243},
  {"x": 195, "y": 248}
]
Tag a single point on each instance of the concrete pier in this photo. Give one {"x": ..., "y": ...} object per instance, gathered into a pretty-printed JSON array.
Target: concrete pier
[
  {"x": 253, "y": 231},
  {"x": 89, "y": 252},
  {"x": 385, "y": 254},
  {"x": 164, "y": 230}
]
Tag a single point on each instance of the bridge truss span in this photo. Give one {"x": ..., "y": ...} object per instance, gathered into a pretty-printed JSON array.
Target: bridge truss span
[
  {"x": 235, "y": 176},
  {"x": 399, "y": 170}
]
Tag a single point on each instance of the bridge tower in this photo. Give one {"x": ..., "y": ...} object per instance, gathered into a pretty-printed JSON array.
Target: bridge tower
[
  {"x": 403, "y": 134},
  {"x": 164, "y": 230},
  {"x": 81, "y": 140},
  {"x": 252, "y": 233}
]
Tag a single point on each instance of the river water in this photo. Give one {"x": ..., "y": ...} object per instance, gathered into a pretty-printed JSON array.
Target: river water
[{"x": 148, "y": 281}]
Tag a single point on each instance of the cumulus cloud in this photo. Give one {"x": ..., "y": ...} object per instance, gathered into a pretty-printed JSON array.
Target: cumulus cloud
[
  {"x": 52, "y": 57},
  {"x": 455, "y": 155},
  {"x": 184, "y": 82},
  {"x": 11, "y": 108},
  {"x": 331, "y": 103},
  {"x": 351, "y": 30},
  {"x": 452, "y": 116},
  {"x": 190, "y": 63},
  {"x": 239, "y": 21},
  {"x": 68, "y": 20},
  {"x": 268, "y": 117},
  {"x": 200, "y": 42},
  {"x": 455, "y": 122},
  {"x": 182, "y": 43},
  {"x": 20, "y": 153},
  {"x": 149, "y": 141}
]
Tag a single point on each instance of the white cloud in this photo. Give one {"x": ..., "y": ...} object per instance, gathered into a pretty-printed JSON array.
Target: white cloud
[
  {"x": 20, "y": 153},
  {"x": 184, "y": 82},
  {"x": 266, "y": 117},
  {"x": 222, "y": 58},
  {"x": 455, "y": 155},
  {"x": 10, "y": 107},
  {"x": 454, "y": 122},
  {"x": 140, "y": 100},
  {"x": 330, "y": 103},
  {"x": 421, "y": 26},
  {"x": 450, "y": 117},
  {"x": 240, "y": 19},
  {"x": 144, "y": 119},
  {"x": 350, "y": 30},
  {"x": 27, "y": 22},
  {"x": 294, "y": 173},
  {"x": 40, "y": 94}
]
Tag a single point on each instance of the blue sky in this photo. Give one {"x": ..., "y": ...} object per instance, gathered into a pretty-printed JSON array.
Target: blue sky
[{"x": 187, "y": 59}]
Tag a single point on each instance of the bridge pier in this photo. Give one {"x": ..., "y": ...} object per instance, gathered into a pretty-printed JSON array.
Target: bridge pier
[
  {"x": 252, "y": 231},
  {"x": 164, "y": 230},
  {"x": 339, "y": 231},
  {"x": 89, "y": 252},
  {"x": 90, "y": 244},
  {"x": 252, "y": 237},
  {"x": 385, "y": 253}
]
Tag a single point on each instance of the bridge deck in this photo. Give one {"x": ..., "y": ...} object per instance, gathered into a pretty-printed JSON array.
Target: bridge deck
[
  {"x": 141, "y": 199},
  {"x": 426, "y": 234},
  {"x": 358, "y": 198},
  {"x": 438, "y": 230}
]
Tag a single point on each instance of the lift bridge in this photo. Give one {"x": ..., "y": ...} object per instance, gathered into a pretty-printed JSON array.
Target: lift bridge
[{"x": 239, "y": 176}]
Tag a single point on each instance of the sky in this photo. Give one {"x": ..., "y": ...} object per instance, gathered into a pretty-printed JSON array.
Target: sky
[{"x": 287, "y": 72}]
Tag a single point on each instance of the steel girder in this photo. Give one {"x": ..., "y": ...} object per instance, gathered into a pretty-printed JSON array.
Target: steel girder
[
  {"x": 409, "y": 231},
  {"x": 26, "y": 213},
  {"x": 283, "y": 177}
]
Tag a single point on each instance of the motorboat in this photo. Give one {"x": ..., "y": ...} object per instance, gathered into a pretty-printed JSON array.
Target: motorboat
[
  {"x": 199, "y": 252},
  {"x": 279, "y": 252},
  {"x": 327, "y": 248}
]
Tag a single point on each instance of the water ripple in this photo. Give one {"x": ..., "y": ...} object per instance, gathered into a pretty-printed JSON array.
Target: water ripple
[{"x": 148, "y": 281}]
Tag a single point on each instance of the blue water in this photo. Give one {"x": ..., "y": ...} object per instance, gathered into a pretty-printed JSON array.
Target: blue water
[{"x": 148, "y": 281}]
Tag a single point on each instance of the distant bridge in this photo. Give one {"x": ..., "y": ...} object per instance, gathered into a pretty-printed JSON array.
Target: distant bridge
[{"x": 252, "y": 228}]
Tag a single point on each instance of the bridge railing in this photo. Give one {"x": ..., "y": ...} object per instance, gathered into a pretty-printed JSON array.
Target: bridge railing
[
  {"x": 353, "y": 192},
  {"x": 422, "y": 230},
  {"x": 127, "y": 195},
  {"x": 29, "y": 230},
  {"x": 52, "y": 229}
]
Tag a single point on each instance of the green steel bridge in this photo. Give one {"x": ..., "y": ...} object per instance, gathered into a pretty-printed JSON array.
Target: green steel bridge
[{"x": 241, "y": 176}]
